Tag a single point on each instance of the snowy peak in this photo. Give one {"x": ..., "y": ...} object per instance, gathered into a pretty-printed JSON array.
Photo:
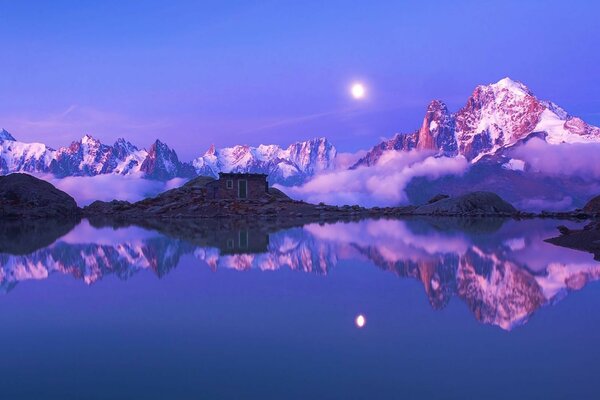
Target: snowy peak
[
  {"x": 495, "y": 116},
  {"x": 4, "y": 135},
  {"x": 90, "y": 157},
  {"x": 510, "y": 85},
  {"x": 292, "y": 165}
]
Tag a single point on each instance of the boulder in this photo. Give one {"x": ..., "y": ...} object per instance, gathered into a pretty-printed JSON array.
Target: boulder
[
  {"x": 24, "y": 196},
  {"x": 474, "y": 203},
  {"x": 593, "y": 206}
]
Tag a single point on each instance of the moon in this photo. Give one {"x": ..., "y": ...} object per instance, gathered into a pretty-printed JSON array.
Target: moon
[
  {"x": 360, "y": 321},
  {"x": 358, "y": 90}
]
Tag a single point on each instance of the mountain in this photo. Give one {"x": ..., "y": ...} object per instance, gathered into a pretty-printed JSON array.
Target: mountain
[
  {"x": 90, "y": 157},
  {"x": 495, "y": 117},
  {"x": 162, "y": 163},
  {"x": 290, "y": 166}
]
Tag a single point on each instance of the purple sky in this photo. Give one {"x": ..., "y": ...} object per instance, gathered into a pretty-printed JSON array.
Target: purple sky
[{"x": 196, "y": 73}]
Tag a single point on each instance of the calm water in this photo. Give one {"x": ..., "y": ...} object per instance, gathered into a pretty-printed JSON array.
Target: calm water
[{"x": 453, "y": 309}]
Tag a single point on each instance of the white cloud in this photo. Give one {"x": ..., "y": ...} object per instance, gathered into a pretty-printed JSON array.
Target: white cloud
[
  {"x": 565, "y": 159},
  {"x": 382, "y": 184},
  {"x": 86, "y": 189}
]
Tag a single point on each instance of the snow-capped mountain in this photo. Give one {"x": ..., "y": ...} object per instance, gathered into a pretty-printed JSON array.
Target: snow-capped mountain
[
  {"x": 292, "y": 165},
  {"x": 495, "y": 117},
  {"x": 89, "y": 157}
]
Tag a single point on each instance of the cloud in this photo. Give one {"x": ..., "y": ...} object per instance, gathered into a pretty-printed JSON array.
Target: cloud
[
  {"x": 86, "y": 189},
  {"x": 566, "y": 203},
  {"x": 346, "y": 160},
  {"x": 382, "y": 184},
  {"x": 565, "y": 159}
]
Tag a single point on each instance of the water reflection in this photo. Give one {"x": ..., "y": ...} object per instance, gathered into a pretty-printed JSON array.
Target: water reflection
[{"x": 502, "y": 270}]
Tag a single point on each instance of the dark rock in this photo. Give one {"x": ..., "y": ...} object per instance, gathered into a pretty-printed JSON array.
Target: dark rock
[
  {"x": 24, "y": 196},
  {"x": 437, "y": 198},
  {"x": 563, "y": 230},
  {"x": 475, "y": 203},
  {"x": 586, "y": 239}
]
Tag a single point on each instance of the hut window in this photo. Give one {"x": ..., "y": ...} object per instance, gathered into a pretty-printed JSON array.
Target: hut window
[{"x": 229, "y": 184}]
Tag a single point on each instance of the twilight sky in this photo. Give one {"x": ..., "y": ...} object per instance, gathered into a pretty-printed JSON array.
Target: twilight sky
[{"x": 194, "y": 73}]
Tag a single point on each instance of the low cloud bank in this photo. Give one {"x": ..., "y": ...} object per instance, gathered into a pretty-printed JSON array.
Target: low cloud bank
[
  {"x": 566, "y": 159},
  {"x": 86, "y": 189},
  {"x": 380, "y": 185}
]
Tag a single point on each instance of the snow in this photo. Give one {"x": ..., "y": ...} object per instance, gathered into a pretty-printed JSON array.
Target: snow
[
  {"x": 433, "y": 126},
  {"x": 514, "y": 165},
  {"x": 509, "y": 84},
  {"x": 300, "y": 159},
  {"x": 554, "y": 126}
]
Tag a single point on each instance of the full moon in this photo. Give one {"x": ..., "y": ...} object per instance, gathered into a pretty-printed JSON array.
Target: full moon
[
  {"x": 360, "y": 321},
  {"x": 358, "y": 90}
]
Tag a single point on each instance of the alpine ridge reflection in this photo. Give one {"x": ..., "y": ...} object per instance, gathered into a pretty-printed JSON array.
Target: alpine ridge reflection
[{"x": 502, "y": 270}]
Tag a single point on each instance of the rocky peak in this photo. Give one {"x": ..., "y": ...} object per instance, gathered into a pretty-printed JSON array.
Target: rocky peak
[
  {"x": 90, "y": 140},
  {"x": 211, "y": 150},
  {"x": 437, "y": 130},
  {"x": 5, "y": 135},
  {"x": 122, "y": 149},
  {"x": 162, "y": 163}
]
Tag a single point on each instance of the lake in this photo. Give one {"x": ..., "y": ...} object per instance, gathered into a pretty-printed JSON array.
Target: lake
[{"x": 393, "y": 309}]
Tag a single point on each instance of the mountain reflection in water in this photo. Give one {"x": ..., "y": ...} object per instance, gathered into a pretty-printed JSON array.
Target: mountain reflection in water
[{"x": 502, "y": 270}]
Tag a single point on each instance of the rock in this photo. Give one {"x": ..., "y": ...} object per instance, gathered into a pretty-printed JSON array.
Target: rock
[
  {"x": 474, "y": 203},
  {"x": 199, "y": 182},
  {"x": 586, "y": 239},
  {"x": 24, "y": 196},
  {"x": 437, "y": 198},
  {"x": 563, "y": 230},
  {"x": 593, "y": 206},
  {"x": 278, "y": 194}
]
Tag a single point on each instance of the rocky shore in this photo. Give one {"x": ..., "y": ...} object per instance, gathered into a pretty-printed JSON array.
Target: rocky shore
[
  {"x": 586, "y": 239},
  {"x": 24, "y": 196}
]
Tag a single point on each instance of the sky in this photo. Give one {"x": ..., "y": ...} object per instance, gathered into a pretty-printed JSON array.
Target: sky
[{"x": 193, "y": 73}]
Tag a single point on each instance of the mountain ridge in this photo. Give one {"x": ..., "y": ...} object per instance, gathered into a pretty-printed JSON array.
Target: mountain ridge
[{"x": 496, "y": 117}]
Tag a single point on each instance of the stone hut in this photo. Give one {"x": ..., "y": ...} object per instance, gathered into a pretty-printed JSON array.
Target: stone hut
[{"x": 238, "y": 186}]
